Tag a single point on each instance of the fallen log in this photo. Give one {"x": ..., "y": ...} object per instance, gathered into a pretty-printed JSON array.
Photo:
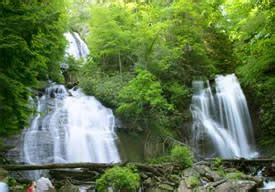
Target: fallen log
[
  {"x": 90, "y": 166},
  {"x": 24, "y": 167}
]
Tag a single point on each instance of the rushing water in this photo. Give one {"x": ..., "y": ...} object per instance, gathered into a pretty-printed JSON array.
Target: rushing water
[
  {"x": 70, "y": 126},
  {"x": 221, "y": 118},
  {"x": 77, "y": 47}
]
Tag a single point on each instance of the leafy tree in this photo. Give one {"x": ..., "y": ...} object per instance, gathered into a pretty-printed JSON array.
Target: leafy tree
[
  {"x": 142, "y": 94},
  {"x": 251, "y": 28},
  {"x": 31, "y": 46}
]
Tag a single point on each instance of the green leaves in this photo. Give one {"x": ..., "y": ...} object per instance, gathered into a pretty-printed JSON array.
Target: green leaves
[
  {"x": 143, "y": 94},
  {"x": 119, "y": 179},
  {"x": 31, "y": 47},
  {"x": 251, "y": 25},
  {"x": 183, "y": 155}
]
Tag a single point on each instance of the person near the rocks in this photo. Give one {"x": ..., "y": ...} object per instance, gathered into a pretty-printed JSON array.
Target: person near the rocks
[
  {"x": 32, "y": 187},
  {"x": 44, "y": 185}
]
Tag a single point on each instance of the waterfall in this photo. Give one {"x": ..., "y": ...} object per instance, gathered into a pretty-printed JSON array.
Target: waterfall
[
  {"x": 70, "y": 126},
  {"x": 77, "y": 47},
  {"x": 221, "y": 118}
]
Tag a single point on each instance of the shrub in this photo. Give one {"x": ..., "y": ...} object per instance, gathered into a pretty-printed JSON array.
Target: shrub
[
  {"x": 217, "y": 162},
  {"x": 118, "y": 178},
  {"x": 183, "y": 155}
]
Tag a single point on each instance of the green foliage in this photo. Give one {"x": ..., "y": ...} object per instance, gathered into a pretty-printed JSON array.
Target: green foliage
[
  {"x": 251, "y": 28},
  {"x": 11, "y": 181},
  {"x": 218, "y": 166},
  {"x": 192, "y": 181},
  {"x": 79, "y": 15},
  {"x": 142, "y": 94},
  {"x": 71, "y": 70},
  {"x": 167, "y": 44},
  {"x": 160, "y": 159},
  {"x": 183, "y": 155},
  {"x": 142, "y": 101},
  {"x": 120, "y": 179},
  {"x": 31, "y": 46},
  {"x": 234, "y": 175},
  {"x": 217, "y": 162},
  {"x": 105, "y": 86},
  {"x": 178, "y": 154},
  {"x": 112, "y": 37}
]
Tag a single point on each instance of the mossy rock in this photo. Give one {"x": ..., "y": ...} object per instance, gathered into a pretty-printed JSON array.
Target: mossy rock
[
  {"x": 68, "y": 187},
  {"x": 191, "y": 172}
]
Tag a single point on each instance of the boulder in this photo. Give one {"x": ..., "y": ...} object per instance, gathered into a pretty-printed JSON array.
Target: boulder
[
  {"x": 205, "y": 171},
  {"x": 165, "y": 187},
  {"x": 68, "y": 187},
  {"x": 183, "y": 187},
  {"x": 191, "y": 172},
  {"x": 236, "y": 185},
  {"x": 148, "y": 182}
]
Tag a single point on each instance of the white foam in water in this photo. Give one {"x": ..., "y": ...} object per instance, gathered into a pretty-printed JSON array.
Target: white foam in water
[
  {"x": 222, "y": 116},
  {"x": 76, "y": 128},
  {"x": 269, "y": 185}
]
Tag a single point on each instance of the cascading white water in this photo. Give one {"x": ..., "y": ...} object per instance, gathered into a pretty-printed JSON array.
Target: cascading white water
[
  {"x": 77, "y": 47},
  {"x": 222, "y": 116},
  {"x": 74, "y": 128},
  {"x": 70, "y": 126}
]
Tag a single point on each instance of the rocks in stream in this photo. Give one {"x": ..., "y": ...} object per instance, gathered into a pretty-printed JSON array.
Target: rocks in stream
[
  {"x": 200, "y": 177},
  {"x": 165, "y": 178}
]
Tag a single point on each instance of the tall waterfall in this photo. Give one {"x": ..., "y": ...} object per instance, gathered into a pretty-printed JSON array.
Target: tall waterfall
[
  {"x": 70, "y": 126},
  {"x": 221, "y": 118}
]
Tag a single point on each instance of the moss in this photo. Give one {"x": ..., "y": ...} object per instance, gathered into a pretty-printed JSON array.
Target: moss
[
  {"x": 192, "y": 181},
  {"x": 234, "y": 175},
  {"x": 217, "y": 166},
  {"x": 220, "y": 171}
]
